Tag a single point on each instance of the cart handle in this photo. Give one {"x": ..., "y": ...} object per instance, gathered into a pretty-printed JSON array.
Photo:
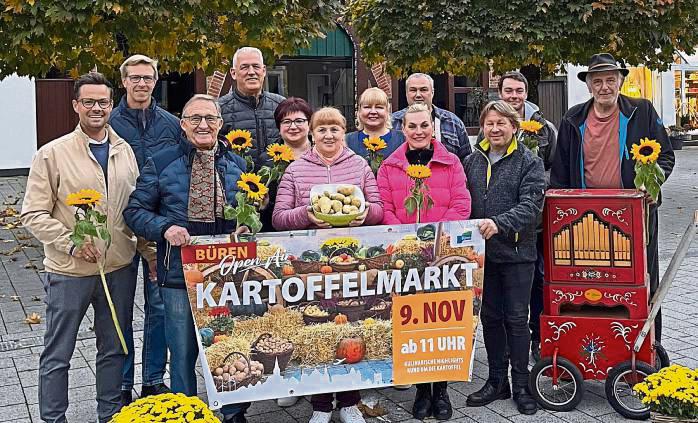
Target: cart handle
[{"x": 667, "y": 279}]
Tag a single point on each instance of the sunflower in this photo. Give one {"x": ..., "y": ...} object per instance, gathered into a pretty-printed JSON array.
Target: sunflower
[
  {"x": 374, "y": 144},
  {"x": 84, "y": 197},
  {"x": 239, "y": 139},
  {"x": 531, "y": 126},
  {"x": 418, "y": 171},
  {"x": 280, "y": 152},
  {"x": 252, "y": 184},
  {"x": 647, "y": 151}
]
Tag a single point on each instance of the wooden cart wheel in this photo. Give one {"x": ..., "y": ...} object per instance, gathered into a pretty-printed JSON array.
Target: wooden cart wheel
[
  {"x": 564, "y": 395},
  {"x": 620, "y": 393}
]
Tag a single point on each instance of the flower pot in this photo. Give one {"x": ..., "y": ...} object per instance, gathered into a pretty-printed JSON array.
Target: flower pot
[
  {"x": 661, "y": 418},
  {"x": 678, "y": 140}
]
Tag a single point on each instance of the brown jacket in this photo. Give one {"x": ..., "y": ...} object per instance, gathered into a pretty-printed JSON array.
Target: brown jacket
[{"x": 64, "y": 166}]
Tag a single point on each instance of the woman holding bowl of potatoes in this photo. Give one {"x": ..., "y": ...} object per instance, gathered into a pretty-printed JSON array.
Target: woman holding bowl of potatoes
[{"x": 328, "y": 162}]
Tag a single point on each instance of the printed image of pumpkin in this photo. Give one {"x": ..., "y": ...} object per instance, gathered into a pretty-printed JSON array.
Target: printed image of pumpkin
[
  {"x": 352, "y": 350},
  {"x": 325, "y": 269},
  {"x": 193, "y": 276},
  {"x": 288, "y": 270},
  {"x": 341, "y": 319}
]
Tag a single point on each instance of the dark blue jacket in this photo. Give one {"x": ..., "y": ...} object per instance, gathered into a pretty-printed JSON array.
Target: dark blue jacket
[
  {"x": 161, "y": 200},
  {"x": 353, "y": 140},
  {"x": 146, "y": 131}
]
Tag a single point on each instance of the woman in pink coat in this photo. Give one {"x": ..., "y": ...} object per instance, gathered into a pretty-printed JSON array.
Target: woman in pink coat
[
  {"x": 328, "y": 162},
  {"x": 451, "y": 202},
  {"x": 446, "y": 184}
]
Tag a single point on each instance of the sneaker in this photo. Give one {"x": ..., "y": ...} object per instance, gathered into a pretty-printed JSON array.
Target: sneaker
[
  {"x": 126, "y": 397},
  {"x": 402, "y": 387},
  {"x": 157, "y": 389},
  {"x": 320, "y": 417},
  {"x": 236, "y": 418},
  {"x": 351, "y": 415},
  {"x": 286, "y": 401}
]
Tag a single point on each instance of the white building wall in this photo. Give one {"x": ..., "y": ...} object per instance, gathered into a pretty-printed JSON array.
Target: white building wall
[{"x": 18, "y": 122}]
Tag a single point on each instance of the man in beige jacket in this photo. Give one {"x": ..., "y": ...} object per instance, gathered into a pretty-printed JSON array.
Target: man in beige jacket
[{"x": 92, "y": 156}]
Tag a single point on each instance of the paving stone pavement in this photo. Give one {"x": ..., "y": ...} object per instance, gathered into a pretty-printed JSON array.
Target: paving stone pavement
[{"x": 21, "y": 293}]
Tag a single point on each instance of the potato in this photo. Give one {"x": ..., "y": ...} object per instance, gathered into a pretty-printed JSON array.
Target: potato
[
  {"x": 314, "y": 199},
  {"x": 325, "y": 204},
  {"x": 226, "y": 377},
  {"x": 346, "y": 209},
  {"x": 239, "y": 377},
  {"x": 336, "y": 206},
  {"x": 226, "y": 369},
  {"x": 327, "y": 194},
  {"x": 353, "y": 209},
  {"x": 347, "y": 200},
  {"x": 239, "y": 366},
  {"x": 219, "y": 371},
  {"x": 339, "y": 197},
  {"x": 316, "y": 208},
  {"x": 356, "y": 202},
  {"x": 346, "y": 189}
]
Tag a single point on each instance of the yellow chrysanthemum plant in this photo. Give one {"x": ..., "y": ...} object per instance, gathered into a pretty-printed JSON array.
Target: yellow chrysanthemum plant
[
  {"x": 281, "y": 156},
  {"x": 419, "y": 198},
  {"x": 166, "y": 408},
  {"x": 649, "y": 177},
  {"x": 90, "y": 224},
  {"x": 529, "y": 134},
  {"x": 240, "y": 141},
  {"x": 375, "y": 145},
  {"x": 251, "y": 192},
  {"x": 673, "y": 391}
]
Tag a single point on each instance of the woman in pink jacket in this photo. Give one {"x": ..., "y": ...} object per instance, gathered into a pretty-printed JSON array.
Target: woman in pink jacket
[
  {"x": 451, "y": 202},
  {"x": 328, "y": 162}
]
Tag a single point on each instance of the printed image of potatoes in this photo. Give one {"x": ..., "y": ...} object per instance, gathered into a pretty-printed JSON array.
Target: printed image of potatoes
[{"x": 341, "y": 202}]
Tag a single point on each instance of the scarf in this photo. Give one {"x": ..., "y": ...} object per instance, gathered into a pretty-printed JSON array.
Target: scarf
[
  {"x": 206, "y": 196},
  {"x": 419, "y": 157}
]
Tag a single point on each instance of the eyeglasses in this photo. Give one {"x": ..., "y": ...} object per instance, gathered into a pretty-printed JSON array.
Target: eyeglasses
[
  {"x": 90, "y": 102},
  {"x": 288, "y": 122},
  {"x": 196, "y": 119},
  {"x": 137, "y": 78}
]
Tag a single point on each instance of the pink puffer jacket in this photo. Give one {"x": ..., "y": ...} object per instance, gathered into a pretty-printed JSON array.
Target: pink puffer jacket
[
  {"x": 446, "y": 187},
  {"x": 293, "y": 195}
]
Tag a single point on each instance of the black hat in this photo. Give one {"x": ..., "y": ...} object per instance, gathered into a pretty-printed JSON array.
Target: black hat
[{"x": 602, "y": 62}]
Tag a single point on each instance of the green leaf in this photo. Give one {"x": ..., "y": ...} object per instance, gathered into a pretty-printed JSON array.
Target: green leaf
[
  {"x": 229, "y": 212},
  {"x": 659, "y": 173},
  {"x": 410, "y": 204},
  {"x": 77, "y": 240},
  {"x": 85, "y": 227},
  {"x": 105, "y": 235},
  {"x": 101, "y": 218}
]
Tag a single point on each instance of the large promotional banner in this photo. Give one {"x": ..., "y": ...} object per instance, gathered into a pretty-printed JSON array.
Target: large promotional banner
[{"x": 307, "y": 312}]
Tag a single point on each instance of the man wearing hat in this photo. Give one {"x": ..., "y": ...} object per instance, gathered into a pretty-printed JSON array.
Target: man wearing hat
[{"x": 595, "y": 139}]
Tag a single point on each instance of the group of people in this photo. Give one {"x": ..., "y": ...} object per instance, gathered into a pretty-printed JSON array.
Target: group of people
[{"x": 165, "y": 180}]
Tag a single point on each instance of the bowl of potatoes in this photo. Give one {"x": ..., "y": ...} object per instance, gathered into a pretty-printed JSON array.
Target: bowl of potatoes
[{"x": 337, "y": 204}]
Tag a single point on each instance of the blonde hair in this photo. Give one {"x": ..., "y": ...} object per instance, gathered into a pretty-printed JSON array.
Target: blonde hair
[
  {"x": 416, "y": 108},
  {"x": 328, "y": 116},
  {"x": 502, "y": 108},
  {"x": 374, "y": 96},
  {"x": 138, "y": 59}
]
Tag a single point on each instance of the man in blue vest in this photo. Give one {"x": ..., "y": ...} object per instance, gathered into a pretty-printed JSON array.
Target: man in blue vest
[{"x": 147, "y": 128}]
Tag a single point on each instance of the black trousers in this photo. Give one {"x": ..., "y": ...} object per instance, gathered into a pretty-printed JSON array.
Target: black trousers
[
  {"x": 537, "y": 291},
  {"x": 653, "y": 264},
  {"x": 505, "y": 300}
]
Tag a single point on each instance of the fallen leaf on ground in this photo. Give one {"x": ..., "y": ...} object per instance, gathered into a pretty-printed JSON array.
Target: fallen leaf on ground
[
  {"x": 36, "y": 298},
  {"x": 375, "y": 411},
  {"x": 11, "y": 202},
  {"x": 14, "y": 297},
  {"x": 30, "y": 266},
  {"x": 33, "y": 319},
  {"x": 9, "y": 211}
]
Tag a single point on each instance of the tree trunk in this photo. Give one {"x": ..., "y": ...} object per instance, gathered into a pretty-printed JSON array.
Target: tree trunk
[{"x": 532, "y": 73}]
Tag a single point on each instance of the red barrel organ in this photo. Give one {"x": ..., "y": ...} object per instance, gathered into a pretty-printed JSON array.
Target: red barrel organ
[{"x": 596, "y": 289}]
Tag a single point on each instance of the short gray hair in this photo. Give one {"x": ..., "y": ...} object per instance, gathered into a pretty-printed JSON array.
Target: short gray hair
[
  {"x": 138, "y": 59},
  {"x": 202, "y": 97},
  {"x": 419, "y": 75},
  {"x": 243, "y": 50},
  {"x": 502, "y": 108}
]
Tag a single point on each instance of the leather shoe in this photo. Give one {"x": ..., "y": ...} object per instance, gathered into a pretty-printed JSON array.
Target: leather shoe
[
  {"x": 126, "y": 397},
  {"x": 535, "y": 351},
  {"x": 492, "y": 391},
  {"x": 157, "y": 389},
  {"x": 422, "y": 402},
  {"x": 524, "y": 401},
  {"x": 441, "y": 404}
]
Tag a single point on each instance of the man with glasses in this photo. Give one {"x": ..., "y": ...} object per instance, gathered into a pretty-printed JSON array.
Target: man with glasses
[
  {"x": 248, "y": 106},
  {"x": 148, "y": 128},
  {"x": 181, "y": 193},
  {"x": 595, "y": 140},
  {"x": 93, "y": 156}
]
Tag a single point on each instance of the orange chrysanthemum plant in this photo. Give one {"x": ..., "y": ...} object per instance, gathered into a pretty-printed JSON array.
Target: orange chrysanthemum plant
[
  {"x": 90, "y": 224},
  {"x": 375, "y": 145},
  {"x": 419, "y": 197},
  {"x": 529, "y": 134},
  {"x": 649, "y": 177}
]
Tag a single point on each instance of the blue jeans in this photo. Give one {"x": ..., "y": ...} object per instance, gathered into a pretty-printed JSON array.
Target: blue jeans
[{"x": 154, "y": 354}]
